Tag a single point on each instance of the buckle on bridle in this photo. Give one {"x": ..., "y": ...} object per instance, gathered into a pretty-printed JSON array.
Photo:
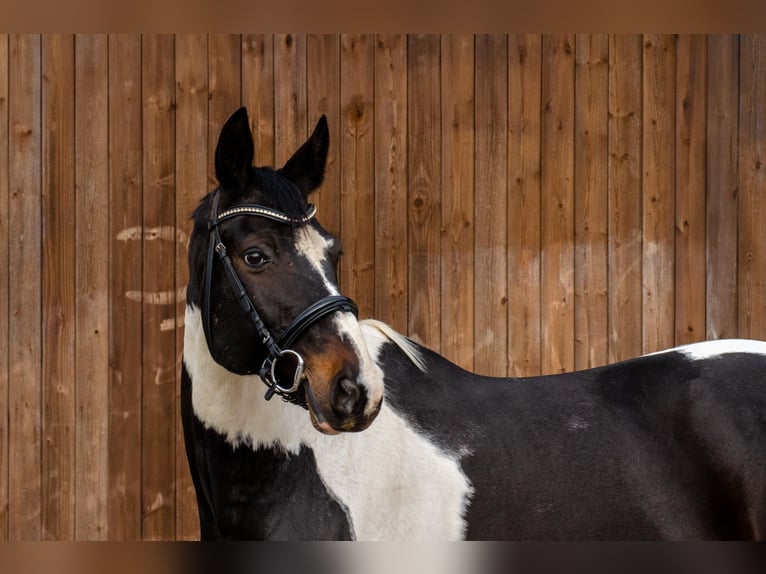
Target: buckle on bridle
[{"x": 270, "y": 372}]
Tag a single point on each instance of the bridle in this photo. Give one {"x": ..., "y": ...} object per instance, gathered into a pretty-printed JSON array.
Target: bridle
[{"x": 277, "y": 351}]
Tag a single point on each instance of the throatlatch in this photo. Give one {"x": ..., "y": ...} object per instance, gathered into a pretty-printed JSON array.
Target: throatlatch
[{"x": 282, "y": 369}]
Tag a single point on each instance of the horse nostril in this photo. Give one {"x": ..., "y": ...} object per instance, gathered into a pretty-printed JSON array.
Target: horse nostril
[{"x": 347, "y": 395}]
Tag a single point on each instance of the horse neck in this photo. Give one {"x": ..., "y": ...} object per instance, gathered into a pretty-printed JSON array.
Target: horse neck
[{"x": 234, "y": 405}]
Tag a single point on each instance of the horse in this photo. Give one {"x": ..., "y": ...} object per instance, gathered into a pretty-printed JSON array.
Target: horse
[{"x": 375, "y": 437}]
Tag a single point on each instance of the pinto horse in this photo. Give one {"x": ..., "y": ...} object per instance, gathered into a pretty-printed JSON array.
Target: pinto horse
[{"x": 669, "y": 445}]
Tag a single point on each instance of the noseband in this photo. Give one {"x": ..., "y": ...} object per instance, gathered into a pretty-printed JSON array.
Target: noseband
[{"x": 278, "y": 351}]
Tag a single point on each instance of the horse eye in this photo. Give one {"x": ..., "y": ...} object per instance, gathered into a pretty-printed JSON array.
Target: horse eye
[{"x": 255, "y": 258}]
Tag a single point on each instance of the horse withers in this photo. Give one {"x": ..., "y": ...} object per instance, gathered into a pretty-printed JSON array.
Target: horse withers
[{"x": 279, "y": 376}]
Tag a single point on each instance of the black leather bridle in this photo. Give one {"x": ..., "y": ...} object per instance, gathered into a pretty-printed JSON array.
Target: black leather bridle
[{"x": 277, "y": 351}]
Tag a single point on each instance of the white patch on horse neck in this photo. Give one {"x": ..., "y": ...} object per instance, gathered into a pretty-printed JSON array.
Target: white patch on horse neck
[
  {"x": 234, "y": 405},
  {"x": 395, "y": 483},
  {"x": 709, "y": 349}
]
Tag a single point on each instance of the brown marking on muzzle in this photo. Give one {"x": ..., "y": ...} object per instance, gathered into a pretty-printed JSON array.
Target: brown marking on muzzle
[{"x": 330, "y": 371}]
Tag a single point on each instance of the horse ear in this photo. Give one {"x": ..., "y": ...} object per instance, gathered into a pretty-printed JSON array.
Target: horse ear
[
  {"x": 235, "y": 150},
  {"x": 306, "y": 168}
]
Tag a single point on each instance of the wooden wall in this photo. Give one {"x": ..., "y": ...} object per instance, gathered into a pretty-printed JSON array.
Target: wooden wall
[{"x": 522, "y": 204}]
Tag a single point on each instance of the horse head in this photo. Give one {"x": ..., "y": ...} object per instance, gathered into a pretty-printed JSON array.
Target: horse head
[{"x": 263, "y": 275}]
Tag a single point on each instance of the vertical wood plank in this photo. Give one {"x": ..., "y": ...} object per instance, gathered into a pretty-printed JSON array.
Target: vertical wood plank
[
  {"x": 491, "y": 201},
  {"x": 258, "y": 93},
  {"x": 191, "y": 157},
  {"x": 58, "y": 188},
  {"x": 557, "y": 205},
  {"x": 323, "y": 76},
  {"x": 658, "y": 191},
  {"x": 457, "y": 215},
  {"x": 290, "y": 94},
  {"x": 625, "y": 197},
  {"x": 4, "y": 287},
  {"x": 424, "y": 188},
  {"x": 752, "y": 183},
  {"x": 721, "y": 199},
  {"x": 391, "y": 180},
  {"x": 92, "y": 301},
  {"x": 591, "y": 213},
  {"x": 224, "y": 84},
  {"x": 159, "y": 364},
  {"x": 691, "y": 114},
  {"x": 125, "y": 286},
  {"x": 24, "y": 289},
  {"x": 524, "y": 141},
  {"x": 357, "y": 271}
]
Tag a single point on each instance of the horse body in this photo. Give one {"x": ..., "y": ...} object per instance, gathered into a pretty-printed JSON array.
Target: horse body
[{"x": 670, "y": 445}]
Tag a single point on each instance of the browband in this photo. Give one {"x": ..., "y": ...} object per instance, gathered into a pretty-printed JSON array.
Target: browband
[{"x": 261, "y": 211}]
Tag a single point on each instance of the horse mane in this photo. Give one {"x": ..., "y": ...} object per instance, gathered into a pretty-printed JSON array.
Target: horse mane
[
  {"x": 407, "y": 347},
  {"x": 282, "y": 193}
]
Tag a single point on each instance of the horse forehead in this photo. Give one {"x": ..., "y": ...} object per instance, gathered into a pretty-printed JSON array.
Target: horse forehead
[{"x": 315, "y": 246}]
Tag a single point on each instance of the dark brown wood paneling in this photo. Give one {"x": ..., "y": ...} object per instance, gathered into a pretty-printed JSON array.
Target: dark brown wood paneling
[
  {"x": 192, "y": 153},
  {"x": 58, "y": 275},
  {"x": 4, "y": 287},
  {"x": 24, "y": 289},
  {"x": 752, "y": 183},
  {"x": 691, "y": 114},
  {"x": 557, "y": 204},
  {"x": 159, "y": 295},
  {"x": 391, "y": 180},
  {"x": 92, "y": 299},
  {"x": 591, "y": 200},
  {"x": 323, "y": 70},
  {"x": 524, "y": 135},
  {"x": 722, "y": 186},
  {"x": 357, "y": 183},
  {"x": 457, "y": 214},
  {"x": 624, "y": 197},
  {"x": 424, "y": 188},
  {"x": 490, "y": 204},
  {"x": 126, "y": 283},
  {"x": 658, "y": 180}
]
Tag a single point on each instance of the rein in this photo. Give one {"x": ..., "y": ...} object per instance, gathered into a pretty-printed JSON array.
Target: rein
[{"x": 278, "y": 351}]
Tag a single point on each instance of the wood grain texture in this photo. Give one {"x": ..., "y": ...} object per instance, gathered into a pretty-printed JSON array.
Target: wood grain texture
[
  {"x": 191, "y": 156},
  {"x": 722, "y": 186},
  {"x": 591, "y": 200},
  {"x": 4, "y": 287},
  {"x": 323, "y": 75},
  {"x": 258, "y": 93},
  {"x": 752, "y": 182},
  {"x": 159, "y": 352},
  {"x": 424, "y": 188},
  {"x": 391, "y": 180},
  {"x": 557, "y": 204},
  {"x": 691, "y": 106},
  {"x": 658, "y": 181},
  {"x": 126, "y": 277},
  {"x": 625, "y": 197},
  {"x": 24, "y": 288},
  {"x": 457, "y": 214},
  {"x": 58, "y": 276},
  {"x": 524, "y": 140},
  {"x": 92, "y": 300},
  {"x": 290, "y": 95},
  {"x": 357, "y": 185},
  {"x": 490, "y": 203},
  {"x": 224, "y": 90}
]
